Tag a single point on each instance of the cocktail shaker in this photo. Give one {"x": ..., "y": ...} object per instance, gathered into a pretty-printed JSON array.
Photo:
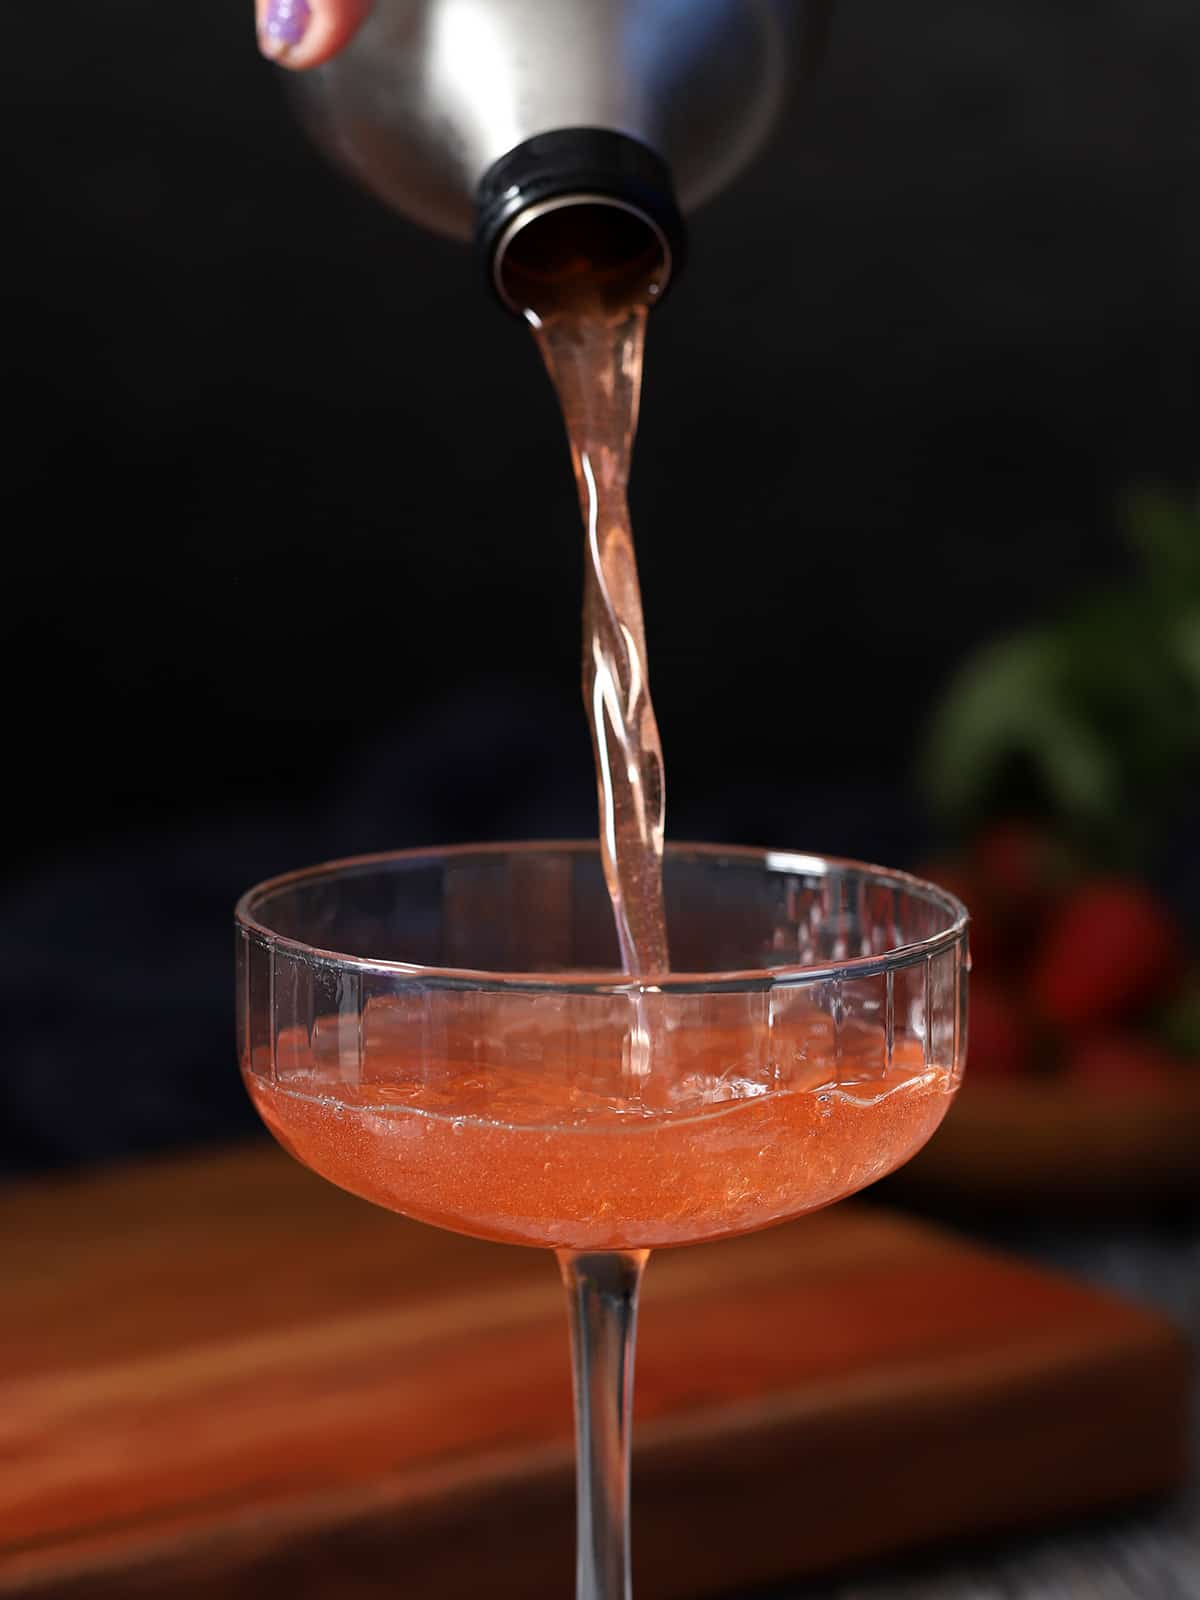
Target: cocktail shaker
[{"x": 482, "y": 117}]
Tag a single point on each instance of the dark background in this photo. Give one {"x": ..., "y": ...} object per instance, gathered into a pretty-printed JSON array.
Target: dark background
[{"x": 292, "y": 557}]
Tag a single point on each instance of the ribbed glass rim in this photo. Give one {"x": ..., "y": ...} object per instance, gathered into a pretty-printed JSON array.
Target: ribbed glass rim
[{"x": 795, "y": 862}]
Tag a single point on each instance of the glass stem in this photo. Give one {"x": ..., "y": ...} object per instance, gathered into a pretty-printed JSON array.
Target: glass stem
[{"x": 602, "y": 1296}]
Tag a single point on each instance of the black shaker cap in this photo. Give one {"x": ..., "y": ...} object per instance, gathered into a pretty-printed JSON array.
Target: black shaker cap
[{"x": 625, "y": 187}]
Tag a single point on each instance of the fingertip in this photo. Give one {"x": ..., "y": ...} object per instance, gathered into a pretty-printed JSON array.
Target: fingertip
[{"x": 299, "y": 34}]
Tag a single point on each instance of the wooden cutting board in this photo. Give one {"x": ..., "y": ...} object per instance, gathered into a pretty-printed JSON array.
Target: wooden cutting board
[
  {"x": 220, "y": 1376},
  {"x": 1015, "y": 1146}
]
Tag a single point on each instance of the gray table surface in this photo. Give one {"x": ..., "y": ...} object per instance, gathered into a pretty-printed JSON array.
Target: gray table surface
[{"x": 1146, "y": 1555}]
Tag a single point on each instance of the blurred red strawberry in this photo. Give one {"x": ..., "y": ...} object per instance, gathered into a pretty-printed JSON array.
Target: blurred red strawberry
[
  {"x": 999, "y": 1044},
  {"x": 1109, "y": 950},
  {"x": 1121, "y": 1061},
  {"x": 1015, "y": 863}
]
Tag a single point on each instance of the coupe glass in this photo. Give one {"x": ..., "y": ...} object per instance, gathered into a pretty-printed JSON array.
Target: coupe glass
[{"x": 448, "y": 1034}]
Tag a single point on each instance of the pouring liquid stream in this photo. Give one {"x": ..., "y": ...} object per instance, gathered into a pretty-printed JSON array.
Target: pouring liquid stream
[{"x": 590, "y": 329}]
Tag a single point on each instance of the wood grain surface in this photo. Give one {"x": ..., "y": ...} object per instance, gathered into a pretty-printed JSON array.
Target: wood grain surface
[
  {"x": 1016, "y": 1145},
  {"x": 222, "y": 1376}
]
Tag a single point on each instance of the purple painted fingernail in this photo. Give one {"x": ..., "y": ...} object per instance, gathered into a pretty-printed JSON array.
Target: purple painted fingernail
[{"x": 284, "y": 26}]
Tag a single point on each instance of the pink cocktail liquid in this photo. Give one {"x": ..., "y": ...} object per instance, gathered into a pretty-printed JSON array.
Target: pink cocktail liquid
[{"x": 477, "y": 1116}]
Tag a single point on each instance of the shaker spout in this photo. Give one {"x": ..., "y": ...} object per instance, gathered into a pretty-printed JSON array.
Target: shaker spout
[{"x": 583, "y": 203}]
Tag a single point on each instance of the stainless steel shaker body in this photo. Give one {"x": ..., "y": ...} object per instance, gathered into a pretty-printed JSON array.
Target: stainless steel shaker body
[{"x": 433, "y": 94}]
